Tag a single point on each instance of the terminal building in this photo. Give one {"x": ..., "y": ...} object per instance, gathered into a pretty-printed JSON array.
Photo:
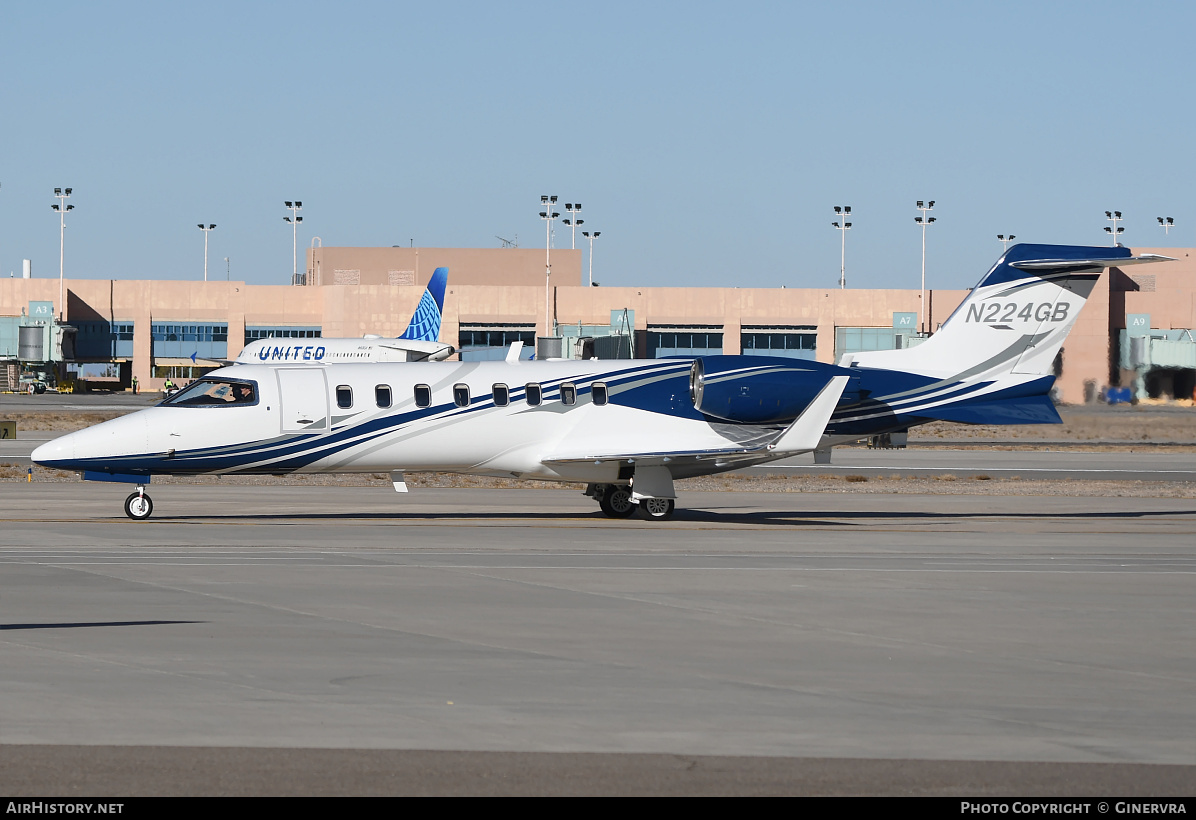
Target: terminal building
[{"x": 1136, "y": 331}]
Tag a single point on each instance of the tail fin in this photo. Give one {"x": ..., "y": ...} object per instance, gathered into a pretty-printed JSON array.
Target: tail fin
[
  {"x": 425, "y": 322},
  {"x": 1015, "y": 320}
]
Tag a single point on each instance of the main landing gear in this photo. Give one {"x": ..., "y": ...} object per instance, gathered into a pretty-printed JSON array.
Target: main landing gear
[
  {"x": 138, "y": 506},
  {"x": 658, "y": 509},
  {"x": 615, "y": 501}
]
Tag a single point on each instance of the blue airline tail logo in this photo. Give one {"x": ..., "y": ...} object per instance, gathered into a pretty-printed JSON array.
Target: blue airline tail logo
[{"x": 425, "y": 322}]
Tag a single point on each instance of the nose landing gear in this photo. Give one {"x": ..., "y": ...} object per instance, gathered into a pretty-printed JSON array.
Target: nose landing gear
[{"x": 138, "y": 506}]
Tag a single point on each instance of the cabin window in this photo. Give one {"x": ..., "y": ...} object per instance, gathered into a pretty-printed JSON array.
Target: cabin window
[
  {"x": 344, "y": 396},
  {"x": 461, "y": 395},
  {"x": 598, "y": 391},
  {"x": 568, "y": 393},
  {"x": 534, "y": 395},
  {"x": 382, "y": 395},
  {"x": 502, "y": 395},
  {"x": 214, "y": 393},
  {"x": 423, "y": 395}
]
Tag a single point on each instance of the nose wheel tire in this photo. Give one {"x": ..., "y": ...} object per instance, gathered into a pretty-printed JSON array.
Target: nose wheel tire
[
  {"x": 658, "y": 509},
  {"x": 616, "y": 501},
  {"x": 138, "y": 506}
]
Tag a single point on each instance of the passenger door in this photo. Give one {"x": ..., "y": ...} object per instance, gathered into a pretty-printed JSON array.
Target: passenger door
[{"x": 303, "y": 394}]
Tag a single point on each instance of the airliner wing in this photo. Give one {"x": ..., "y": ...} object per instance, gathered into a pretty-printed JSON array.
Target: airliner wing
[
  {"x": 802, "y": 436},
  {"x": 663, "y": 457}
]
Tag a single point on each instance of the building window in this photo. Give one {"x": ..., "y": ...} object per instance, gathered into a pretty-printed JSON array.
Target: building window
[
  {"x": 684, "y": 340},
  {"x": 423, "y": 395},
  {"x": 490, "y": 342},
  {"x": 859, "y": 339},
  {"x": 461, "y": 395},
  {"x": 179, "y": 371},
  {"x": 598, "y": 393},
  {"x": 790, "y": 342},
  {"x": 534, "y": 395},
  {"x": 502, "y": 395},
  {"x": 256, "y": 332},
  {"x": 186, "y": 340},
  {"x": 103, "y": 340},
  {"x": 382, "y": 395},
  {"x": 189, "y": 333},
  {"x": 344, "y": 396}
]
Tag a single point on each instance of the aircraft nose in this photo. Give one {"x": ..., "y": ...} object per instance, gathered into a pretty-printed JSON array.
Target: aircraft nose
[
  {"x": 86, "y": 449},
  {"x": 53, "y": 452}
]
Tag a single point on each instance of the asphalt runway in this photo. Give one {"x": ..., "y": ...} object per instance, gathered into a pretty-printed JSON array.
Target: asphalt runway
[{"x": 334, "y": 640}]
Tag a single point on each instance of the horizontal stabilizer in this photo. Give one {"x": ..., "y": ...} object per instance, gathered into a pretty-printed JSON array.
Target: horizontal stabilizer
[{"x": 1081, "y": 264}]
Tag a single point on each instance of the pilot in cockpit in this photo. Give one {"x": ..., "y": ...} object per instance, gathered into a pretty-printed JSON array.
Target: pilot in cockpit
[{"x": 241, "y": 394}]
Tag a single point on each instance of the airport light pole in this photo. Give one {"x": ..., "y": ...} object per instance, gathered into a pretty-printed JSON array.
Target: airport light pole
[
  {"x": 574, "y": 210},
  {"x": 548, "y": 214},
  {"x": 925, "y": 222},
  {"x": 1115, "y": 232},
  {"x": 591, "y": 235},
  {"x": 206, "y": 231},
  {"x": 1005, "y": 240},
  {"x": 63, "y": 194},
  {"x": 844, "y": 213},
  {"x": 1166, "y": 223},
  {"x": 295, "y": 207}
]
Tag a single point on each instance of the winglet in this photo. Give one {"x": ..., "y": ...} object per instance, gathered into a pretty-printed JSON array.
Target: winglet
[
  {"x": 513, "y": 351},
  {"x": 806, "y": 431},
  {"x": 425, "y": 322}
]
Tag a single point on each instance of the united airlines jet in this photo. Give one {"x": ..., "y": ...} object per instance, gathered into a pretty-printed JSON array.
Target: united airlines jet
[
  {"x": 419, "y": 343},
  {"x": 626, "y": 429}
]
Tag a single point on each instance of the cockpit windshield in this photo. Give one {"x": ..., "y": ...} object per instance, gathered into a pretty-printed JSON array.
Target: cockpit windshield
[{"x": 214, "y": 393}]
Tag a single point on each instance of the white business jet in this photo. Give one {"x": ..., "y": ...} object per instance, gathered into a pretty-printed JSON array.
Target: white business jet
[
  {"x": 420, "y": 342},
  {"x": 627, "y": 429}
]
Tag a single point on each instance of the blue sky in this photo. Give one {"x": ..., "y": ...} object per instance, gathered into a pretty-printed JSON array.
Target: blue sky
[{"x": 707, "y": 142}]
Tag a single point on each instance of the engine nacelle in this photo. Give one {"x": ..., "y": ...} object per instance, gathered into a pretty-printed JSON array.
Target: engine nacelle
[{"x": 762, "y": 389}]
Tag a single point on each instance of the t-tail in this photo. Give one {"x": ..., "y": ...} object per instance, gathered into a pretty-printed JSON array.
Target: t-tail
[
  {"x": 1013, "y": 322},
  {"x": 425, "y": 322}
]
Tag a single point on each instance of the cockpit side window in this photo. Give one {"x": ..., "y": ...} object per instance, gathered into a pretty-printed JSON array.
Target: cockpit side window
[{"x": 215, "y": 393}]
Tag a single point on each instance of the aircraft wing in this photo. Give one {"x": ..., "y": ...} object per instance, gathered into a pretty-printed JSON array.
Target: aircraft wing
[{"x": 802, "y": 436}]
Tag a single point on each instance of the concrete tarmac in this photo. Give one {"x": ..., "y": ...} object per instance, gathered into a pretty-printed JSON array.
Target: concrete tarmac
[
  {"x": 517, "y": 641},
  {"x": 1147, "y": 464}
]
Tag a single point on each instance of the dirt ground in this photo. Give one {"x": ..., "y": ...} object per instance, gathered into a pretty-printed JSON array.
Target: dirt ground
[{"x": 66, "y": 422}]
